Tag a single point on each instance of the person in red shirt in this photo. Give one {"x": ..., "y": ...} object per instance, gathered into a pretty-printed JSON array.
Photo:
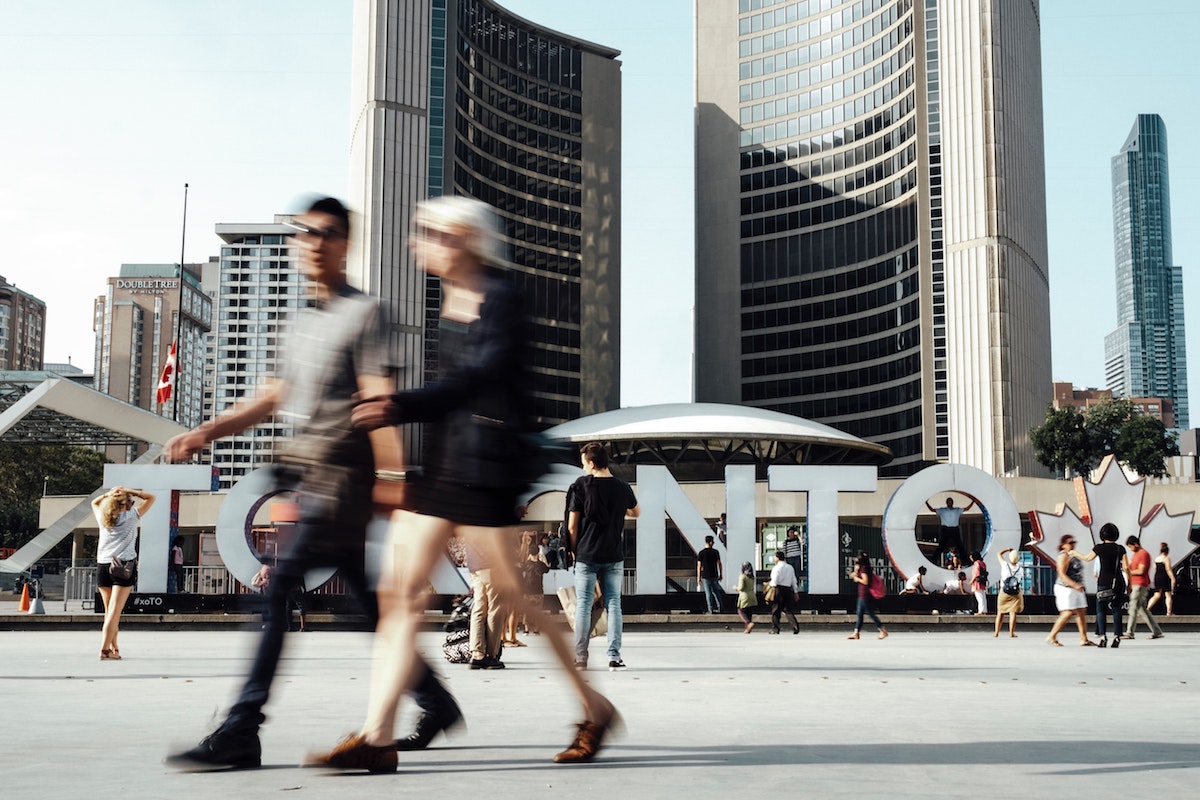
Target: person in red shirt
[{"x": 1138, "y": 566}]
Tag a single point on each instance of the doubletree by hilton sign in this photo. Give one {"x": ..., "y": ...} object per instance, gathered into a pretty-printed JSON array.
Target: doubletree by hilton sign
[
  {"x": 148, "y": 285},
  {"x": 660, "y": 496}
]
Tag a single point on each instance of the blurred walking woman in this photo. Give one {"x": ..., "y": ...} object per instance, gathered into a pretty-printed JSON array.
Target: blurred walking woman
[
  {"x": 471, "y": 483},
  {"x": 118, "y": 516},
  {"x": 747, "y": 599},
  {"x": 863, "y": 575},
  {"x": 1069, "y": 593}
]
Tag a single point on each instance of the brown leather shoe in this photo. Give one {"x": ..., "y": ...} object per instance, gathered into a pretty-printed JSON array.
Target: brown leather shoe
[
  {"x": 353, "y": 752},
  {"x": 588, "y": 740}
]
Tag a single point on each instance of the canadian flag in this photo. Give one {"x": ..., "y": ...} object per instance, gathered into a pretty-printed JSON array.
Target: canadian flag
[{"x": 167, "y": 382}]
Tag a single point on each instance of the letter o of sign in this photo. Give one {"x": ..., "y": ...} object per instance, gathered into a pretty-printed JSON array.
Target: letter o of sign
[
  {"x": 235, "y": 520},
  {"x": 900, "y": 517}
]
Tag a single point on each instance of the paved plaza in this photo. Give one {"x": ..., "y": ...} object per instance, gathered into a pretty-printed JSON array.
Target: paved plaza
[{"x": 709, "y": 714}]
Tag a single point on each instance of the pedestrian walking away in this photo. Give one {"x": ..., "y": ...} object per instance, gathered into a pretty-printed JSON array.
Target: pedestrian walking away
[
  {"x": 709, "y": 575},
  {"x": 600, "y": 503}
]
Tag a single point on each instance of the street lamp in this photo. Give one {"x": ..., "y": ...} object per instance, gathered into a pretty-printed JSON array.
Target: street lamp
[{"x": 45, "y": 482}]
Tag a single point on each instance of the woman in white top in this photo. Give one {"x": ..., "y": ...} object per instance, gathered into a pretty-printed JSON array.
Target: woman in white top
[{"x": 118, "y": 517}]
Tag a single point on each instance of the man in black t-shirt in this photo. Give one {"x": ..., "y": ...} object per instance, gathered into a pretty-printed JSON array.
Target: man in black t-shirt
[
  {"x": 598, "y": 505},
  {"x": 708, "y": 575}
]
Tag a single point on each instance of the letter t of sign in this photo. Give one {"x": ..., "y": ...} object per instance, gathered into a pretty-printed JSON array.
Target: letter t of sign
[{"x": 822, "y": 484}]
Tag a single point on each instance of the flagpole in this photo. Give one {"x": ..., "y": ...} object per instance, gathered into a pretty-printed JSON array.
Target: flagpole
[{"x": 179, "y": 312}]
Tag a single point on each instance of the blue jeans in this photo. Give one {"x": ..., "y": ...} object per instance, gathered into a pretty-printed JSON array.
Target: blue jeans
[
  {"x": 712, "y": 594},
  {"x": 864, "y": 608},
  {"x": 1109, "y": 608},
  {"x": 610, "y": 576}
]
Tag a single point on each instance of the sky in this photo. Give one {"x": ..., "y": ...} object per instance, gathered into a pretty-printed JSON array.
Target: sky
[{"x": 110, "y": 108}]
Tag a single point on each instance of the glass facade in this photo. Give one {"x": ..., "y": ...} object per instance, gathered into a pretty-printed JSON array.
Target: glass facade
[
  {"x": 518, "y": 145},
  {"x": 830, "y": 263},
  {"x": 1146, "y": 356}
]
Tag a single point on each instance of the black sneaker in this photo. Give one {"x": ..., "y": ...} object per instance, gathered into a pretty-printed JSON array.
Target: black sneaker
[
  {"x": 225, "y": 748},
  {"x": 613, "y": 666},
  {"x": 493, "y": 663},
  {"x": 478, "y": 663}
]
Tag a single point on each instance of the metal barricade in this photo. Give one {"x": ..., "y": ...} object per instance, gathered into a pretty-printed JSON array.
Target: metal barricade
[{"x": 79, "y": 585}]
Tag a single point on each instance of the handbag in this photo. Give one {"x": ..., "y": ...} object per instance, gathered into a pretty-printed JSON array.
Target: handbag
[
  {"x": 769, "y": 593},
  {"x": 1105, "y": 594},
  {"x": 122, "y": 570}
]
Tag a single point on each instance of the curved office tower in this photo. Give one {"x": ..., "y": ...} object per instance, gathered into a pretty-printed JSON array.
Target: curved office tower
[
  {"x": 871, "y": 235},
  {"x": 462, "y": 97},
  {"x": 1146, "y": 356}
]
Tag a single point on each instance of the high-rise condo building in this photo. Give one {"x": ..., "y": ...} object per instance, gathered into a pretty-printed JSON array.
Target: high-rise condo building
[
  {"x": 462, "y": 97},
  {"x": 22, "y": 328},
  {"x": 258, "y": 287},
  {"x": 871, "y": 227},
  {"x": 1146, "y": 355}
]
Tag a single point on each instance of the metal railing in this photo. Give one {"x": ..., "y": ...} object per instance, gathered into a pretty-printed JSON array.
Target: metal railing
[{"x": 79, "y": 585}]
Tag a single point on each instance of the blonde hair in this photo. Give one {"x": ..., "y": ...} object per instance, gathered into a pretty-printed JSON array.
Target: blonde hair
[
  {"x": 474, "y": 219},
  {"x": 111, "y": 508}
]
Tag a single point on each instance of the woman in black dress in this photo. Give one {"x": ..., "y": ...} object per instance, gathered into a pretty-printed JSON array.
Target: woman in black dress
[
  {"x": 1164, "y": 580},
  {"x": 478, "y": 409}
]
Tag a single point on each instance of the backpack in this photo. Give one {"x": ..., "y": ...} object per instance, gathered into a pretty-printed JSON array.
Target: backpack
[
  {"x": 982, "y": 580},
  {"x": 876, "y": 587},
  {"x": 1012, "y": 583}
]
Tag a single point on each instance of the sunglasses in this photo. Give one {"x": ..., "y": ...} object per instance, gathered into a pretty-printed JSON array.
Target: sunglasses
[{"x": 318, "y": 234}]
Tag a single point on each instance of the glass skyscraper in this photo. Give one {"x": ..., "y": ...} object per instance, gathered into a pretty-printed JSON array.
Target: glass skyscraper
[
  {"x": 463, "y": 97},
  {"x": 1146, "y": 355},
  {"x": 871, "y": 233}
]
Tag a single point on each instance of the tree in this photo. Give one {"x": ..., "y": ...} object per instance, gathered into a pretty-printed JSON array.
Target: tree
[
  {"x": 25, "y": 469},
  {"x": 1062, "y": 442},
  {"x": 1074, "y": 442},
  {"x": 1143, "y": 444}
]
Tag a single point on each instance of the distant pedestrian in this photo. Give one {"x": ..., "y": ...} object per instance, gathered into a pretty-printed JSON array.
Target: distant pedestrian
[
  {"x": 1110, "y": 583},
  {"x": 722, "y": 530},
  {"x": 863, "y": 575},
  {"x": 1069, "y": 593},
  {"x": 176, "y": 577},
  {"x": 783, "y": 578},
  {"x": 1006, "y": 602},
  {"x": 979, "y": 582},
  {"x": 793, "y": 550},
  {"x": 949, "y": 535},
  {"x": 1138, "y": 566},
  {"x": 709, "y": 575},
  {"x": 118, "y": 516},
  {"x": 1164, "y": 580},
  {"x": 747, "y": 599}
]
